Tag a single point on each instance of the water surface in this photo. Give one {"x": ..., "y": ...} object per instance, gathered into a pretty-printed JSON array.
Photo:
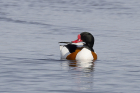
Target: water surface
[{"x": 29, "y": 51}]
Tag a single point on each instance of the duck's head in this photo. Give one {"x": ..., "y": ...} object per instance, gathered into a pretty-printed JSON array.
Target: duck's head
[{"x": 87, "y": 38}]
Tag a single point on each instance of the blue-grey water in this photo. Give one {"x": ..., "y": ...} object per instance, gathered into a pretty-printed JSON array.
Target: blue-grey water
[{"x": 29, "y": 51}]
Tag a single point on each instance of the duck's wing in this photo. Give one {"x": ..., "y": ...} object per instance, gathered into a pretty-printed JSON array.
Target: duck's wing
[
  {"x": 71, "y": 47},
  {"x": 65, "y": 42}
]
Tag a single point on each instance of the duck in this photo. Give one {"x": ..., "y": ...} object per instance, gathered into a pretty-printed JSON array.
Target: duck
[{"x": 79, "y": 49}]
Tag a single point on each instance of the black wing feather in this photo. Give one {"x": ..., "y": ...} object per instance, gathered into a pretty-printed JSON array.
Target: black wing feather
[{"x": 71, "y": 47}]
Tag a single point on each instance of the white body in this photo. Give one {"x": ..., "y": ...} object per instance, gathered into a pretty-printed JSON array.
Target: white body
[
  {"x": 84, "y": 54},
  {"x": 64, "y": 52}
]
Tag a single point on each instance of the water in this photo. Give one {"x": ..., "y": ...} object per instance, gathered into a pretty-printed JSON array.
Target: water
[{"x": 29, "y": 51}]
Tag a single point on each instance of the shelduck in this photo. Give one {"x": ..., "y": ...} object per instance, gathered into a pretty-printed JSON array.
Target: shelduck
[{"x": 80, "y": 49}]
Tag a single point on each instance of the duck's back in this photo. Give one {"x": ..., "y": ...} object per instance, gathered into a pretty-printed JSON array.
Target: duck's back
[{"x": 74, "y": 52}]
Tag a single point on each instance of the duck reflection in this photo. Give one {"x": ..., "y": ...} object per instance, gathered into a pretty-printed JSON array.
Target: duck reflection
[
  {"x": 81, "y": 73},
  {"x": 86, "y": 66}
]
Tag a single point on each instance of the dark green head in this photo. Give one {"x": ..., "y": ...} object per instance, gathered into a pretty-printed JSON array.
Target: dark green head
[{"x": 87, "y": 38}]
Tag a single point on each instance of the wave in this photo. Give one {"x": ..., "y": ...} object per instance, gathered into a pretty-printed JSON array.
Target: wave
[{"x": 22, "y": 21}]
